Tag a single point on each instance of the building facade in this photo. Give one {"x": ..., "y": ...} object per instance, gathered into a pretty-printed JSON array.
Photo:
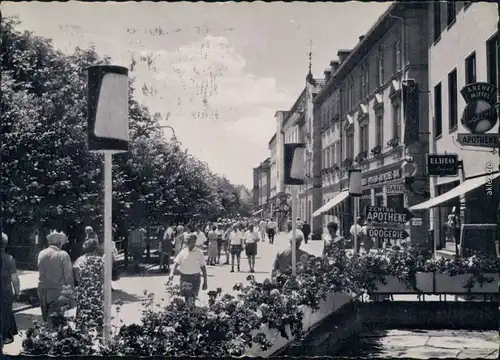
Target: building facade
[
  {"x": 273, "y": 174},
  {"x": 363, "y": 118},
  {"x": 262, "y": 189},
  {"x": 459, "y": 56}
]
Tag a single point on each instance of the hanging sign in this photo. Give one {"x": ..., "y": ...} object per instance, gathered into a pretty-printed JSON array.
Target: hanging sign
[
  {"x": 387, "y": 233},
  {"x": 480, "y": 115},
  {"x": 294, "y": 165},
  {"x": 442, "y": 164},
  {"x": 390, "y": 215}
]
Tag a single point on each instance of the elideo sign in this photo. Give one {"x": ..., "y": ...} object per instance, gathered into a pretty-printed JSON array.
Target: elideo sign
[{"x": 442, "y": 164}]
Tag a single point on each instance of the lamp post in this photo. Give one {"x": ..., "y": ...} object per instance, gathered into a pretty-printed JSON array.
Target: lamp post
[{"x": 173, "y": 138}]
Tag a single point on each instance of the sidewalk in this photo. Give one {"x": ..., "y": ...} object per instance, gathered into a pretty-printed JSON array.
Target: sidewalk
[{"x": 130, "y": 289}]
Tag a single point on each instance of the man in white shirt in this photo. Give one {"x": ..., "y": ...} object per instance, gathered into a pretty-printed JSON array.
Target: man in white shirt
[
  {"x": 251, "y": 238},
  {"x": 271, "y": 230},
  {"x": 201, "y": 238},
  {"x": 356, "y": 231},
  {"x": 191, "y": 262},
  {"x": 236, "y": 243}
]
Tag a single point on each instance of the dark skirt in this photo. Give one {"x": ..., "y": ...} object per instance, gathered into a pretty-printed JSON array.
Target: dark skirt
[
  {"x": 251, "y": 249},
  {"x": 236, "y": 249},
  {"x": 190, "y": 285}
]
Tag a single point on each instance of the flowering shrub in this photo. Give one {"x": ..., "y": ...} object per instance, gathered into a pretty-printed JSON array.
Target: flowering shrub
[{"x": 73, "y": 335}]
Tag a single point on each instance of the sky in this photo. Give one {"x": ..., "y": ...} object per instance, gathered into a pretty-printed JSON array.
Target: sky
[{"x": 216, "y": 72}]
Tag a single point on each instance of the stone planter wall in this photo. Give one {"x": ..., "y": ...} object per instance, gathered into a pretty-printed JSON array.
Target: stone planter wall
[
  {"x": 445, "y": 283},
  {"x": 393, "y": 286},
  {"x": 311, "y": 319}
]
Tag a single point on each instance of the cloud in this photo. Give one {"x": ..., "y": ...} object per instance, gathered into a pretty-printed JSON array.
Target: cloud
[{"x": 221, "y": 113}]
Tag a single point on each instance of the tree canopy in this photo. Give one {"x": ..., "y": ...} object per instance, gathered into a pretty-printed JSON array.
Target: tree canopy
[{"x": 51, "y": 180}]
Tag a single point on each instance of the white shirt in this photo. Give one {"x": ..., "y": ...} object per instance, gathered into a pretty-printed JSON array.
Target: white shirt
[
  {"x": 271, "y": 225},
  {"x": 190, "y": 262},
  {"x": 251, "y": 237},
  {"x": 358, "y": 228},
  {"x": 201, "y": 238},
  {"x": 235, "y": 237},
  {"x": 262, "y": 225}
]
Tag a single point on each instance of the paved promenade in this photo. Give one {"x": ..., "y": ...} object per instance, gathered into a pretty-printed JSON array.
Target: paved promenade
[{"x": 130, "y": 289}]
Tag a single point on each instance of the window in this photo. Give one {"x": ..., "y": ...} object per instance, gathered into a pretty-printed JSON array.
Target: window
[
  {"x": 396, "y": 121},
  {"x": 452, "y": 100},
  {"x": 363, "y": 138},
  {"x": 363, "y": 82},
  {"x": 397, "y": 56},
  {"x": 470, "y": 69},
  {"x": 451, "y": 12},
  {"x": 379, "y": 124},
  {"x": 332, "y": 155},
  {"x": 437, "y": 19},
  {"x": 438, "y": 120},
  {"x": 349, "y": 96},
  {"x": 339, "y": 152},
  {"x": 350, "y": 146},
  {"x": 396, "y": 201},
  {"x": 327, "y": 150},
  {"x": 380, "y": 64},
  {"x": 492, "y": 60}
]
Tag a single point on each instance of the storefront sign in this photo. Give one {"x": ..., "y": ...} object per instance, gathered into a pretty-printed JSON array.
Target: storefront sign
[
  {"x": 394, "y": 189},
  {"x": 381, "y": 178},
  {"x": 379, "y": 214},
  {"x": 442, "y": 164},
  {"x": 416, "y": 222},
  {"x": 387, "y": 233},
  {"x": 480, "y": 115},
  {"x": 480, "y": 140}
]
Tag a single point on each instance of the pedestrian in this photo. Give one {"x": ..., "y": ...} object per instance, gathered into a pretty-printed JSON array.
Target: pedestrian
[
  {"x": 179, "y": 239},
  {"x": 219, "y": 233},
  {"x": 137, "y": 243},
  {"x": 356, "y": 229},
  {"x": 299, "y": 223},
  {"x": 306, "y": 230},
  {"x": 368, "y": 242},
  {"x": 201, "y": 238},
  {"x": 236, "y": 242},
  {"x": 54, "y": 273},
  {"x": 190, "y": 262},
  {"x": 225, "y": 242},
  {"x": 11, "y": 288},
  {"x": 331, "y": 239},
  {"x": 166, "y": 249},
  {"x": 212, "y": 246},
  {"x": 90, "y": 252},
  {"x": 271, "y": 230},
  {"x": 262, "y": 230},
  {"x": 283, "y": 260},
  {"x": 251, "y": 239}
]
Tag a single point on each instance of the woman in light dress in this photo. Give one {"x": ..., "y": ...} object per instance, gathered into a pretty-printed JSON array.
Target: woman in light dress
[
  {"x": 179, "y": 239},
  {"x": 212, "y": 246}
]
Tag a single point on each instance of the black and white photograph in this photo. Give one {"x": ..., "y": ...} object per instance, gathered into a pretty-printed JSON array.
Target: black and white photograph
[{"x": 250, "y": 179}]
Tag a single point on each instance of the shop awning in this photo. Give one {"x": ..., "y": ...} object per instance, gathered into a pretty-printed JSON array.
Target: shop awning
[
  {"x": 257, "y": 212},
  {"x": 462, "y": 189},
  {"x": 333, "y": 202}
]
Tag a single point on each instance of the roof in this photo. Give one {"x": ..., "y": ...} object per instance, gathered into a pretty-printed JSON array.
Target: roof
[{"x": 273, "y": 138}]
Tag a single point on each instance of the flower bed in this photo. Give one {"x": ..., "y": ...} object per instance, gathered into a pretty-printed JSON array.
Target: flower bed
[{"x": 260, "y": 317}]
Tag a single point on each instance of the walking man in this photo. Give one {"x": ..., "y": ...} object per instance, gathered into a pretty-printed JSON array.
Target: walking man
[
  {"x": 262, "y": 230},
  {"x": 251, "y": 240},
  {"x": 271, "y": 230},
  {"x": 191, "y": 262},
  {"x": 236, "y": 242},
  {"x": 137, "y": 243},
  {"x": 306, "y": 230}
]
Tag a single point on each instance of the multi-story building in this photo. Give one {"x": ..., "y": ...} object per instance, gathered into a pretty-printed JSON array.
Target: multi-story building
[
  {"x": 361, "y": 111},
  {"x": 262, "y": 188},
  {"x": 462, "y": 50},
  {"x": 273, "y": 174}
]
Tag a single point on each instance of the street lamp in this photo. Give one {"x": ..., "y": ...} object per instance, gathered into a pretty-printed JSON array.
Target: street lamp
[{"x": 173, "y": 138}]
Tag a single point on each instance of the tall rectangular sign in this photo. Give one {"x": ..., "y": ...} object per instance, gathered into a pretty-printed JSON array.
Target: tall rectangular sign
[
  {"x": 411, "y": 102},
  {"x": 294, "y": 166}
]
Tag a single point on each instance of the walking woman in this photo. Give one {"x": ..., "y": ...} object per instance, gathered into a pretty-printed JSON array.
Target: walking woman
[
  {"x": 225, "y": 242},
  {"x": 251, "y": 240},
  {"x": 236, "y": 242},
  {"x": 11, "y": 288},
  {"x": 219, "y": 234},
  {"x": 212, "y": 246},
  {"x": 179, "y": 239}
]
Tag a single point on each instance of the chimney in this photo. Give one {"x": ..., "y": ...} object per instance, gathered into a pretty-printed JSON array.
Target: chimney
[
  {"x": 343, "y": 54},
  {"x": 328, "y": 74},
  {"x": 334, "y": 64},
  {"x": 361, "y": 38}
]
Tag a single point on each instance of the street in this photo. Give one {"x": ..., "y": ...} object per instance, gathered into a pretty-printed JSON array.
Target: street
[{"x": 130, "y": 289}]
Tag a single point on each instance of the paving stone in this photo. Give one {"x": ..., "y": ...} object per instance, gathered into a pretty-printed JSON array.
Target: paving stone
[
  {"x": 404, "y": 341},
  {"x": 476, "y": 353},
  {"x": 428, "y": 352},
  {"x": 462, "y": 342}
]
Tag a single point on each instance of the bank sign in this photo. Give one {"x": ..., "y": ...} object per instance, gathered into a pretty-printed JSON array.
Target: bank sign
[{"x": 480, "y": 115}]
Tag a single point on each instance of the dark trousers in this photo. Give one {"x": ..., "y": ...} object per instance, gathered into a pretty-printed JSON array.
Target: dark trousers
[{"x": 270, "y": 234}]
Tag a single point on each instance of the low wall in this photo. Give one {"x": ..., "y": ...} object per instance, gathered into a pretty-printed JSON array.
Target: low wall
[
  {"x": 332, "y": 304},
  {"x": 357, "y": 317}
]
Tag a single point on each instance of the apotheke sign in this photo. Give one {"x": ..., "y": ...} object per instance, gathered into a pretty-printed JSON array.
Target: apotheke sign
[{"x": 381, "y": 178}]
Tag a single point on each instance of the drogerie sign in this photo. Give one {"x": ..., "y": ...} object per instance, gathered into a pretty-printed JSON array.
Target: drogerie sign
[
  {"x": 387, "y": 233},
  {"x": 392, "y": 215}
]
